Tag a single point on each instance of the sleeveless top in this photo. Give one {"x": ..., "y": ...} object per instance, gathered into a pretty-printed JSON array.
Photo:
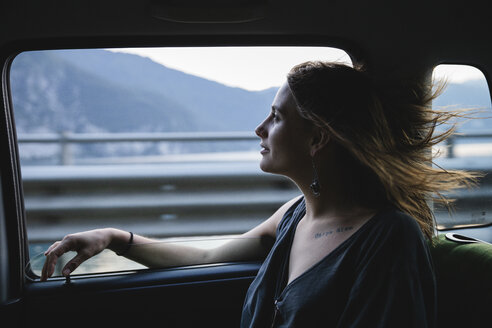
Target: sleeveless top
[{"x": 381, "y": 276}]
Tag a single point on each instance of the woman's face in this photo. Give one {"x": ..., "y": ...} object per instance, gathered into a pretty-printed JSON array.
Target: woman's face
[{"x": 285, "y": 137}]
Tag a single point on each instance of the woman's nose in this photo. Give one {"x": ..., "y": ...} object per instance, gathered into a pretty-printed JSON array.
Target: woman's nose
[{"x": 260, "y": 130}]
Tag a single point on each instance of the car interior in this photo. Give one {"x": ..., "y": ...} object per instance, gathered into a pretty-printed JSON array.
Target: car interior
[{"x": 71, "y": 80}]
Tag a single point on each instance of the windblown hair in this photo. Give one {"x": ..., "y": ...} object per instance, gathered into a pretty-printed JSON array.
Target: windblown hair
[{"x": 384, "y": 134}]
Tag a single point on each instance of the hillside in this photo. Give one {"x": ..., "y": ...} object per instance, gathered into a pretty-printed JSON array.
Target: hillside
[
  {"x": 117, "y": 92},
  {"x": 51, "y": 95},
  {"x": 238, "y": 109},
  {"x": 470, "y": 95},
  {"x": 122, "y": 92},
  {"x": 102, "y": 91}
]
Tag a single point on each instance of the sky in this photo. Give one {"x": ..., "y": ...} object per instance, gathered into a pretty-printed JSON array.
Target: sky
[
  {"x": 251, "y": 68},
  {"x": 458, "y": 73},
  {"x": 259, "y": 68}
]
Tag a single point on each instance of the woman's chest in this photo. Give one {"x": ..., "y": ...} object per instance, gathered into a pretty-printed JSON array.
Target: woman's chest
[{"x": 311, "y": 244}]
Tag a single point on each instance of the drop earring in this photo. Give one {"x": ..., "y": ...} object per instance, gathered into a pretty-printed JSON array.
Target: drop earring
[{"x": 315, "y": 187}]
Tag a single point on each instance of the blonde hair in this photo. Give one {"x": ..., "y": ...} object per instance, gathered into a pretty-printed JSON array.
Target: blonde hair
[{"x": 384, "y": 134}]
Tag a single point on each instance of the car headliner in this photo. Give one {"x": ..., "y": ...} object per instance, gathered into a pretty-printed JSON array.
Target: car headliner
[{"x": 404, "y": 36}]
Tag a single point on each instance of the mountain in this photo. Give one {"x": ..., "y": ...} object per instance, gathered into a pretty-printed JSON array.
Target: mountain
[
  {"x": 473, "y": 95},
  {"x": 99, "y": 90},
  {"x": 50, "y": 94},
  {"x": 119, "y": 92},
  {"x": 103, "y": 91},
  {"x": 216, "y": 106}
]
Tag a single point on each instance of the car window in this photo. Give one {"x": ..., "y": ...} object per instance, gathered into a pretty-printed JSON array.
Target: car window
[
  {"x": 470, "y": 148},
  {"x": 109, "y": 262},
  {"x": 159, "y": 142}
]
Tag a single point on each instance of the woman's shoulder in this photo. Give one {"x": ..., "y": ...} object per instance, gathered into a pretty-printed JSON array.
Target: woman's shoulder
[
  {"x": 396, "y": 229},
  {"x": 396, "y": 219},
  {"x": 295, "y": 209}
]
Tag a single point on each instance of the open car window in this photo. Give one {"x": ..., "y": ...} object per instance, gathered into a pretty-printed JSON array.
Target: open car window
[
  {"x": 159, "y": 142},
  {"x": 109, "y": 262},
  {"x": 470, "y": 148}
]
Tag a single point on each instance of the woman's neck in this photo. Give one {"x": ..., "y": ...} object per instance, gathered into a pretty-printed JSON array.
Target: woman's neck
[
  {"x": 325, "y": 207},
  {"x": 334, "y": 200}
]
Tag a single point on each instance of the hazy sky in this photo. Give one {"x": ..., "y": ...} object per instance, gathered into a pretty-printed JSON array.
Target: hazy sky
[
  {"x": 258, "y": 68},
  {"x": 251, "y": 68}
]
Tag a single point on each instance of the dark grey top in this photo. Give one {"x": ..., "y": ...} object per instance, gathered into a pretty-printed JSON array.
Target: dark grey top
[{"x": 381, "y": 276}]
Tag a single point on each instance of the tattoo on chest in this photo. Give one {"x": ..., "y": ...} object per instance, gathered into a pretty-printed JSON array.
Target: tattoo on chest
[{"x": 331, "y": 232}]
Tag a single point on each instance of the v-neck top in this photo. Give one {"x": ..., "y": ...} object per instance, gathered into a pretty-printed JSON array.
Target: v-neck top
[{"x": 381, "y": 276}]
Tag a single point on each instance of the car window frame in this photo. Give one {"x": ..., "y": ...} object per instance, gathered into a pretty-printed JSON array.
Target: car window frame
[{"x": 123, "y": 42}]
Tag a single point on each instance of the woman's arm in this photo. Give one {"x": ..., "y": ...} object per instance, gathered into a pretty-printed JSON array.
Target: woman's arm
[{"x": 254, "y": 244}]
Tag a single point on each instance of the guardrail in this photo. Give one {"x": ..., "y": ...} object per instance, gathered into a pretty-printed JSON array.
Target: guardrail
[
  {"x": 451, "y": 141},
  {"x": 160, "y": 200},
  {"x": 66, "y": 139},
  {"x": 170, "y": 199}
]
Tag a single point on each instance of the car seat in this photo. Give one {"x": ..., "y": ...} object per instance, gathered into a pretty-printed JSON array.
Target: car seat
[{"x": 463, "y": 267}]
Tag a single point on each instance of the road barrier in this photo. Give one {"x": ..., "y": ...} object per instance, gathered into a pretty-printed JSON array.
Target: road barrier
[
  {"x": 191, "y": 198},
  {"x": 159, "y": 200}
]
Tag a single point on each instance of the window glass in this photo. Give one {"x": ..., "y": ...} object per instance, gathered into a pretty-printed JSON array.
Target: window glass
[
  {"x": 470, "y": 148},
  {"x": 108, "y": 261},
  {"x": 156, "y": 141}
]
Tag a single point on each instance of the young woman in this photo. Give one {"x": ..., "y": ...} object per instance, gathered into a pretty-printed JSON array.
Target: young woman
[{"x": 352, "y": 250}]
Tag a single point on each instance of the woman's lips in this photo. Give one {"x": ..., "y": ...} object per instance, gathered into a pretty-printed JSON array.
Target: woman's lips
[{"x": 264, "y": 149}]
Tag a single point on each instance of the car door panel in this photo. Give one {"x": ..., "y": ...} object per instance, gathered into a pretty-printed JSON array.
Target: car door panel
[{"x": 201, "y": 296}]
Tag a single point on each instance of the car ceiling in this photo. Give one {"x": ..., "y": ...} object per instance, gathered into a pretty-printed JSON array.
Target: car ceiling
[{"x": 409, "y": 35}]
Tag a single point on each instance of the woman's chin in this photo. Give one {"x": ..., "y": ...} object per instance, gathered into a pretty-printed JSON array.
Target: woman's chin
[
  {"x": 265, "y": 166},
  {"x": 268, "y": 167}
]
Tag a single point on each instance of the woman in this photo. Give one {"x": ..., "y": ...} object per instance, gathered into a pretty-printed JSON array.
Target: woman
[{"x": 351, "y": 252}]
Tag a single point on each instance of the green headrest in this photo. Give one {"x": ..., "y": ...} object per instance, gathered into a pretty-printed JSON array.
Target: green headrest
[{"x": 464, "y": 282}]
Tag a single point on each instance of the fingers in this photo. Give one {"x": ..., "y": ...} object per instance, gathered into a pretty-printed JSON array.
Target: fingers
[
  {"x": 51, "y": 247},
  {"x": 52, "y": 254},
  {"x": 74, "y": 263},
  {"x": 50, "y": 262},
  {"x": 86, "y": 244}
]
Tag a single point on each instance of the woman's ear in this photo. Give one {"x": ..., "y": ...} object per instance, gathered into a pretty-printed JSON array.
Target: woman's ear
[{"x": 319, "y": 141}]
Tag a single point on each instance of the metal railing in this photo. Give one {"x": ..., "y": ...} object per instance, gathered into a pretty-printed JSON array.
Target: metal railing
[
  {"x": 451, "y": 141},
  {"x": 163, "y": 199},
  {"x": 173, "y": 199},
  {"x": 160, "y": 200},
  {"x": 66, "y": 139}
]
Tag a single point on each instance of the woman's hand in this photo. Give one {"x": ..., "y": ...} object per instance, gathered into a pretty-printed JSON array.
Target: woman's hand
[{"x": 86, "y": 244}]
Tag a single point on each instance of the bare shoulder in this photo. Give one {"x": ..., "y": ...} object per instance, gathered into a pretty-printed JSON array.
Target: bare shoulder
[{"x": 268, "y": 228}]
